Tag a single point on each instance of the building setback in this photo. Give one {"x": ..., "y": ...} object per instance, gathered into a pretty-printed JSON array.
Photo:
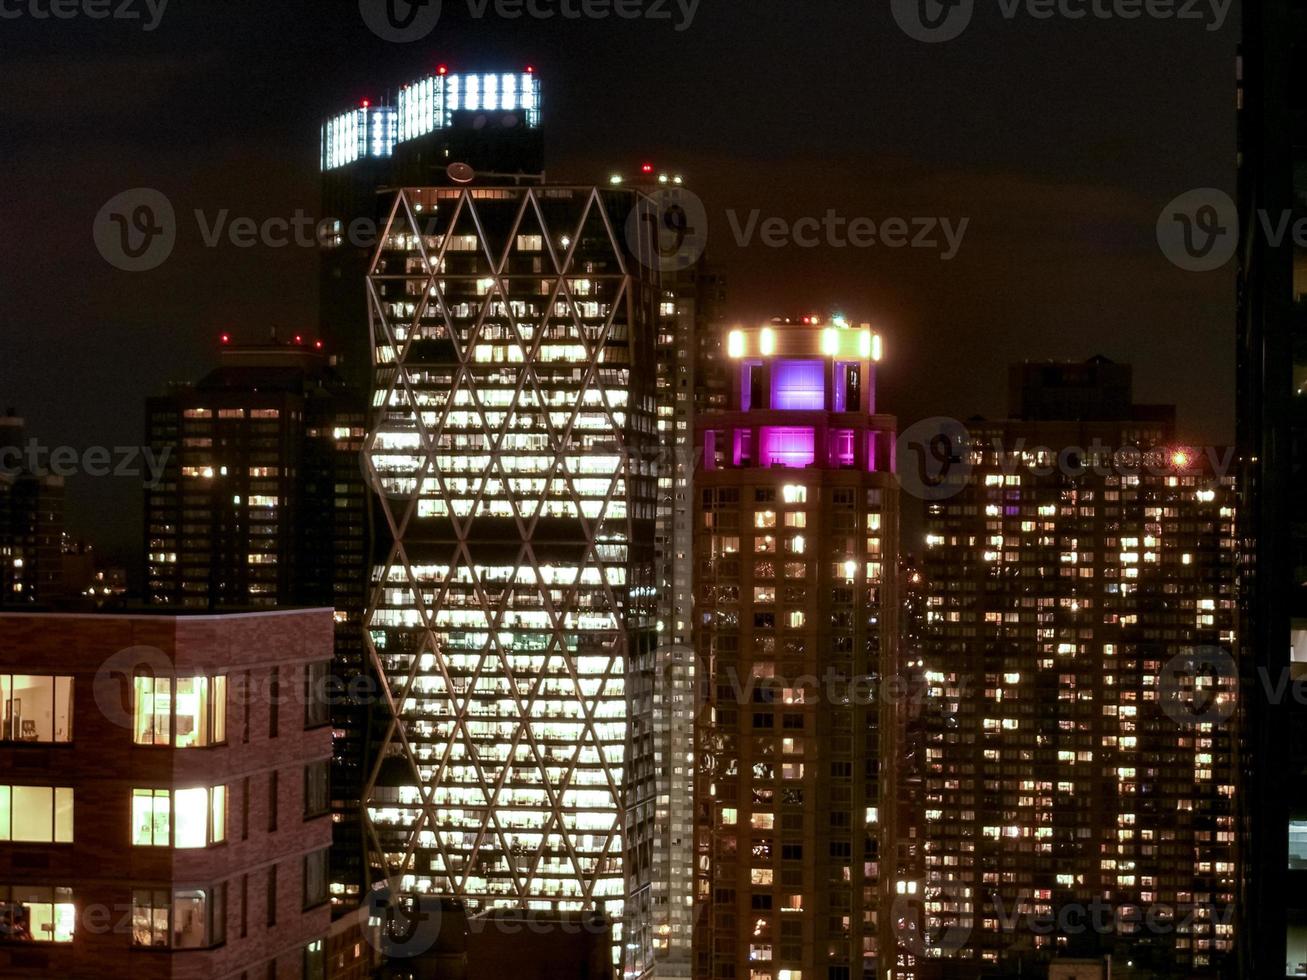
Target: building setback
[
  {"x": 795, "y": 628},
  {"x": 1079, "y": 568},
  {"x": 163, "y": 804}
]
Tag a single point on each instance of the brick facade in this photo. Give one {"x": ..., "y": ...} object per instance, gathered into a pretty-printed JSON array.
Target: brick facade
[{"x": 266, "y": 658}]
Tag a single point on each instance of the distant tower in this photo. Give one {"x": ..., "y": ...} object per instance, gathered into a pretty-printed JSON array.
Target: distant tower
[{"x": 31, "y": 523}]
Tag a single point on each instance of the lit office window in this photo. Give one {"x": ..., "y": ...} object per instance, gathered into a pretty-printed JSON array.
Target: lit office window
[
  {"x": 185, "y": 712},
  {"x": 36, "y": 914},
  {"x": 194, "y": 817},
  {"x": 36, "y": 708},
  {"x": 36, "y": 814}
]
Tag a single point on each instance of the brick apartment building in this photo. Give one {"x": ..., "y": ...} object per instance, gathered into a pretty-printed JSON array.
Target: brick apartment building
[{"x": 164, "y": 799}]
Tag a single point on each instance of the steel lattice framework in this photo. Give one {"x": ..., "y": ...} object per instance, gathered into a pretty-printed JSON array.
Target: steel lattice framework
[{"x": 512, "y": 618}]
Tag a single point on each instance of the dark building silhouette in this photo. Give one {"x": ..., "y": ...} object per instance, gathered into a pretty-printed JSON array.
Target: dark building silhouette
[
  {"x": 1272, "y": 436},
  {"x": 31, "y": 522}
]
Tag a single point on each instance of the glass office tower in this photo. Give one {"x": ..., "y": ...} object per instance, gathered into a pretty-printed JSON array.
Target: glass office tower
[{"x": 513, "y": 616}]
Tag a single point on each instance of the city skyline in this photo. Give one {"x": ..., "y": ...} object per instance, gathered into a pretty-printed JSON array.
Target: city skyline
[
  {"x": 809, "y": 494},
  {"x": 893, "y": 155}
]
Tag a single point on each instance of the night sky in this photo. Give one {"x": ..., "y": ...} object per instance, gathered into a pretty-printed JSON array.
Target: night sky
[{"x": 1060, "y": 140}]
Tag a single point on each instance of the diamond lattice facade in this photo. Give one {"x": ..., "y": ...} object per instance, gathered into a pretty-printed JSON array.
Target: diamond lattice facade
[{"x": 513, "y": 617}]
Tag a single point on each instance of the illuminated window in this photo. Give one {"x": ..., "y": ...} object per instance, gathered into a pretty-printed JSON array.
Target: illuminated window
[
  {"x": 36, "y": 914},
  {"x": 189, "y": 918},
  {"x": 192, "y": 818},
  {"x": 186, "y": 712},
  {"x": 36, "y": 708},
  {"x": 36, "y": 814}
]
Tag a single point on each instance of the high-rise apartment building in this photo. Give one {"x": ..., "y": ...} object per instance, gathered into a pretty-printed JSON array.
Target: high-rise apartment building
[
  {"x": 1080, "y": 757},
  {"x": 1272, "y": 434},
  {"x": 514, "y": 452},
  {"x": 796, "y": 626},
  {"x": 262, "y": 504},
  {"x": 163, "y": 805}
]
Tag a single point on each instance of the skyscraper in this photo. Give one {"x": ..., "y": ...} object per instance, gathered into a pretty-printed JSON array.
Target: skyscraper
[
  {"x": 1080, "y": 568},
  {"x": 514, "y": 612},
  {"x": 1272, "y": 434},
  {"x": 795, "y": 631}
]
